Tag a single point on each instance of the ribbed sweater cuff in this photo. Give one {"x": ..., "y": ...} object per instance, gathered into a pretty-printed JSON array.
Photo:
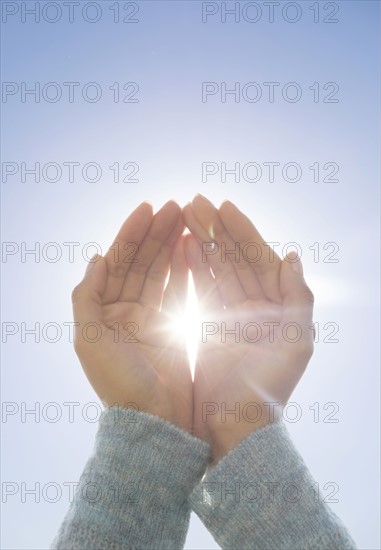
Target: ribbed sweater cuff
[
  {"x": 261, "y": 495},
  {"x": 133, "y": 491}
]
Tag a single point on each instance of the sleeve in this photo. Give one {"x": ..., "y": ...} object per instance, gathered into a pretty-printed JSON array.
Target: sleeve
[
  {"x": 133, "y": 492},
  {"x": 262, "y": 496}
]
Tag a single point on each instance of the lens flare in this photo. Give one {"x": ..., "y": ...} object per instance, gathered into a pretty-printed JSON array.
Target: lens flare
[{"x": 186, "y": 327}]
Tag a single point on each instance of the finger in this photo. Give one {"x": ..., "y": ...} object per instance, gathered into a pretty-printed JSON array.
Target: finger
[
  {"x": 175, "y": 295},
  {"x": 208, "y": 216},
  {"x": 265, "y": 262},
  {"x": 298, "y": 302},
  {"x": 87, "y": 296},
  {"x": 120, "y": 256},
  {"x": 163, "y": 224},
  {"x": 226, "y": 278},
  {"x": 204, "y": 282},
  {"x": 153, "y": 288}
]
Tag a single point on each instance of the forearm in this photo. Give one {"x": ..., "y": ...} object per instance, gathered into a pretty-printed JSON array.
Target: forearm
[
  {"x": 134, "y": 488},
  {"x": 261, "y": 495}
]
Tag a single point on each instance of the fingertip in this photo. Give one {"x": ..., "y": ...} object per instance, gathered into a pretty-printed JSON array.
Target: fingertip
[
  {"x": 292, "y": 282},
  {"x": 226, "y": 203},
  {"x": 92, "y": 263},
  {"x": 199, "y": 196},
  {"x": 172, "y": 205},
  {"x": 294, "y": 261},
  {"x": 145, "y": 205},
  {"x": 145, "y": 202},
  {"x": 201, "y": 199},
  {"x": 187, "y": 213},
  {"x": 228, "y": 209}
]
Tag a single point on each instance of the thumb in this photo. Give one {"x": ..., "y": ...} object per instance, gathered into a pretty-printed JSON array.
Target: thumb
[
  {"x": 87, "y": 295},
  {"x": 298, "y": 299}
]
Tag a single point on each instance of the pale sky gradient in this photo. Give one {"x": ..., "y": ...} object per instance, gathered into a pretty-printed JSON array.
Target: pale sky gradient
[{"x": 169, "y": 133}]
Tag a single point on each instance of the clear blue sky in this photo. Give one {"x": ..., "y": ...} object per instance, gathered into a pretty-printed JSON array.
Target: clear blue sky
[{"x": 167, "y": 135}]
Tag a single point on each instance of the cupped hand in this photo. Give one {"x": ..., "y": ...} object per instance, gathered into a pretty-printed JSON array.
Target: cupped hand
[
  {"x": 123, "y": 310},
  {"x": 266, "y": 305}
]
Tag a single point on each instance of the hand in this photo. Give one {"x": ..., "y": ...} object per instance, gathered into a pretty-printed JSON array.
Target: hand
[
  {"x": 137, "y": 361},
  {"x": 254, "y": 365}
]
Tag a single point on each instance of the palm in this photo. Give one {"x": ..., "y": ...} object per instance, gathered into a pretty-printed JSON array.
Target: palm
[
  {"x": 137, "y": 362},
  {"x": 230, "y": 358},
  {"x": 244, "y": 372},
  {"x": 148, "y": 361}
]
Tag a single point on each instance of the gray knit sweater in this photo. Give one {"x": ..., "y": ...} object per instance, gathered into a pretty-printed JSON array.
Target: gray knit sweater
[{"x": 145, "y": 475}]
